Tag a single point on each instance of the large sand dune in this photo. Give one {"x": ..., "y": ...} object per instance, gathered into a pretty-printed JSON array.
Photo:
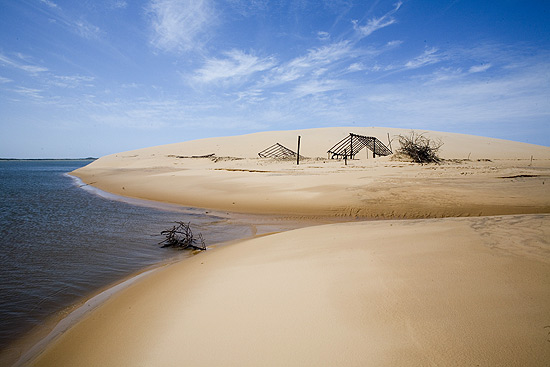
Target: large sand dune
[
  {"x": 481, "y": 177},
  {"x": 447, "y": 291}
]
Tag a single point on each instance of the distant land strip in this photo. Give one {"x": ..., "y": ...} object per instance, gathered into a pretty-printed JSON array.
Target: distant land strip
[{"x": 49, "y": 159}]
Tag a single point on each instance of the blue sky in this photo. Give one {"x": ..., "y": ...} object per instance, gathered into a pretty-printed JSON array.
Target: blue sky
[{"x": 89, "y": 78}]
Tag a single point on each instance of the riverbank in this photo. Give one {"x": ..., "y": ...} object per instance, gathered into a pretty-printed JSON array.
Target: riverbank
[
  {"x": 393, "y": 292},
  {"x": 465, "y": 291}
]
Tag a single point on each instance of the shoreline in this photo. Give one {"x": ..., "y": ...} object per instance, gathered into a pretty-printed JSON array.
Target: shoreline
[
  {"x": 505, "y": 200},
  {"x": 79, "y": 310},
  {"x": 24, "y": 349},
  {"x": 245, "y": 255}
]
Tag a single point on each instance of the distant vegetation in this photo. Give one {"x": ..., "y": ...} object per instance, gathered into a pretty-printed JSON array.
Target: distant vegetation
[{"x": 419, "y": 148}]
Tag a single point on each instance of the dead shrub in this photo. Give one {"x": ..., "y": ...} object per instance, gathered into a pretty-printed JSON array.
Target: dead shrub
[{"x": 419, "y": 148}]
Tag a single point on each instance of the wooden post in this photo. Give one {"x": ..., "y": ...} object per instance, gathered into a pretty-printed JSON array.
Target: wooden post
[
  {"x": 351, "y": 146},
  {"x": 389, "y": 142},
  {"x": 374, "y": 149},
  {"x": 346, "y": 156},
  {"x": 298, "y": 154}
]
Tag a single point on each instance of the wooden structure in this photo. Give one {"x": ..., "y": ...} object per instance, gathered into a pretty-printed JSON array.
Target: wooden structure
[
  {"x": 277, "y": 151},
  {"x": 348, "y": 147}
]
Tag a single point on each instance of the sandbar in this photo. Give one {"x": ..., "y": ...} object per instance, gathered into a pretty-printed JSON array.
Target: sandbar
[{"x": 420, "y": 287}]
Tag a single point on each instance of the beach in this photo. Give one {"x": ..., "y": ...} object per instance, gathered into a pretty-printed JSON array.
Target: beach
[{"x": 420, "y": 287}]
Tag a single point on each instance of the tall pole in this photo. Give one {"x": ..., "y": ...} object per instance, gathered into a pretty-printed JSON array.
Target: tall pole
[{"x": 298, "y": 155}]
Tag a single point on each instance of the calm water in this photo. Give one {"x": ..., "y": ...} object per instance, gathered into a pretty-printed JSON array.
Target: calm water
[{"x": 60, "y": 242}]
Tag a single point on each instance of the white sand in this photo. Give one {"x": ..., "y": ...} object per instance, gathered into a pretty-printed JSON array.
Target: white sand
[{"x": 454, "y": 291}]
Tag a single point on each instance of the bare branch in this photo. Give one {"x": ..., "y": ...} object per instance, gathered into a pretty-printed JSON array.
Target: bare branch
[
  {"x": 420, "y": 148},
  {"x": 180, "y": 236}
]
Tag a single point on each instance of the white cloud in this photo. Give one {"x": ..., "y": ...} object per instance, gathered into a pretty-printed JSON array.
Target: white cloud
[
  {"x": 253, "y": 95},
  {"x": 119, "y": 4},
  {"x": 49, "y": 3},
  {"x": 323, "y": 36},
  {"x": 85, "y": 29},
  {"x": 19, "y": 64},
  {"x": 394, "y": 43},
  {"x": 315, "y": 86},
  {"x": 323, "y": 56},
  {"x": 71, "y": 81},
  {"x": 317, "y": 61},
  {"x": 356, "y": 66},
  {"x": 428, "y": 57},
  {"x": 29, "y": 92},
  {"x": 479, "y": 68},
  {"x": 5, "y": 80},
  {"x": 375, "y": 24},
  {"x": 180, "y": 25},
  {"x": 236, "y": 66}
]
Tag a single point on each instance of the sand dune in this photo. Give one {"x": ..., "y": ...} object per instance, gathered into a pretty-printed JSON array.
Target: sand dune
[
  {"x": 448, "y": 291},
  {"x": 498, "y": 178}
]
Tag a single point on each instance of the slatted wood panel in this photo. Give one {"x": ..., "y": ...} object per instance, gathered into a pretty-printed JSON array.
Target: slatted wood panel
[
  {"x": 277, "y": 151},
  {"x": 353, "y": 143}
]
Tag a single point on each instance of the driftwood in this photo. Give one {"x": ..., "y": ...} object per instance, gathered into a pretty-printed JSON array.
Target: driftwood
[
  {"x": 180, "y": 236},
  {"x": 212, "y": 155}
]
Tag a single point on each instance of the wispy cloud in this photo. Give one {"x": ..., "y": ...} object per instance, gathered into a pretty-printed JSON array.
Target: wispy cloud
[
  {"x": 86, "y": 29},
  {"x": 428, "y": 57},
  {"x": 236, "y": 66},
  {"x": 74, "y": 24},
  {"x": 314, "y": 60},
  {"x": 323, "y": 36},
  {"x": 313, "y": 87},
  {"x": 479, "y": 68},
  {"x": 375, "y": 24},
  {"x": 29, "y": 92},
  {"x": 71, "y": 81},
  {"x": 356, "y": 66},
  {"x": 323, "y": 55},
  {"x": 49, "y": 3},
  {"x": 180, "y": 25},
  {"x": 118, "y": 4},
  {"x": 21, "y": 65}
]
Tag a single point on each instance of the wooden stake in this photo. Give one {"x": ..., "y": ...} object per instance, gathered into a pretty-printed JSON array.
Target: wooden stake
[
  {"x": 346, "y": 156},
  {"x": 298, "y": 154}
]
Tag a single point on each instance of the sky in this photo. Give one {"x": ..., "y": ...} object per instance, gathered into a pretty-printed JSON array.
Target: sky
[{"x": 96, "y": 77}]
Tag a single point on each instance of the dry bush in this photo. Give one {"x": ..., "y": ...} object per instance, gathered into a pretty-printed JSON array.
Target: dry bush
[
  {"x": 419, "y": 148},
  {"x": 180, "y": 236}
]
